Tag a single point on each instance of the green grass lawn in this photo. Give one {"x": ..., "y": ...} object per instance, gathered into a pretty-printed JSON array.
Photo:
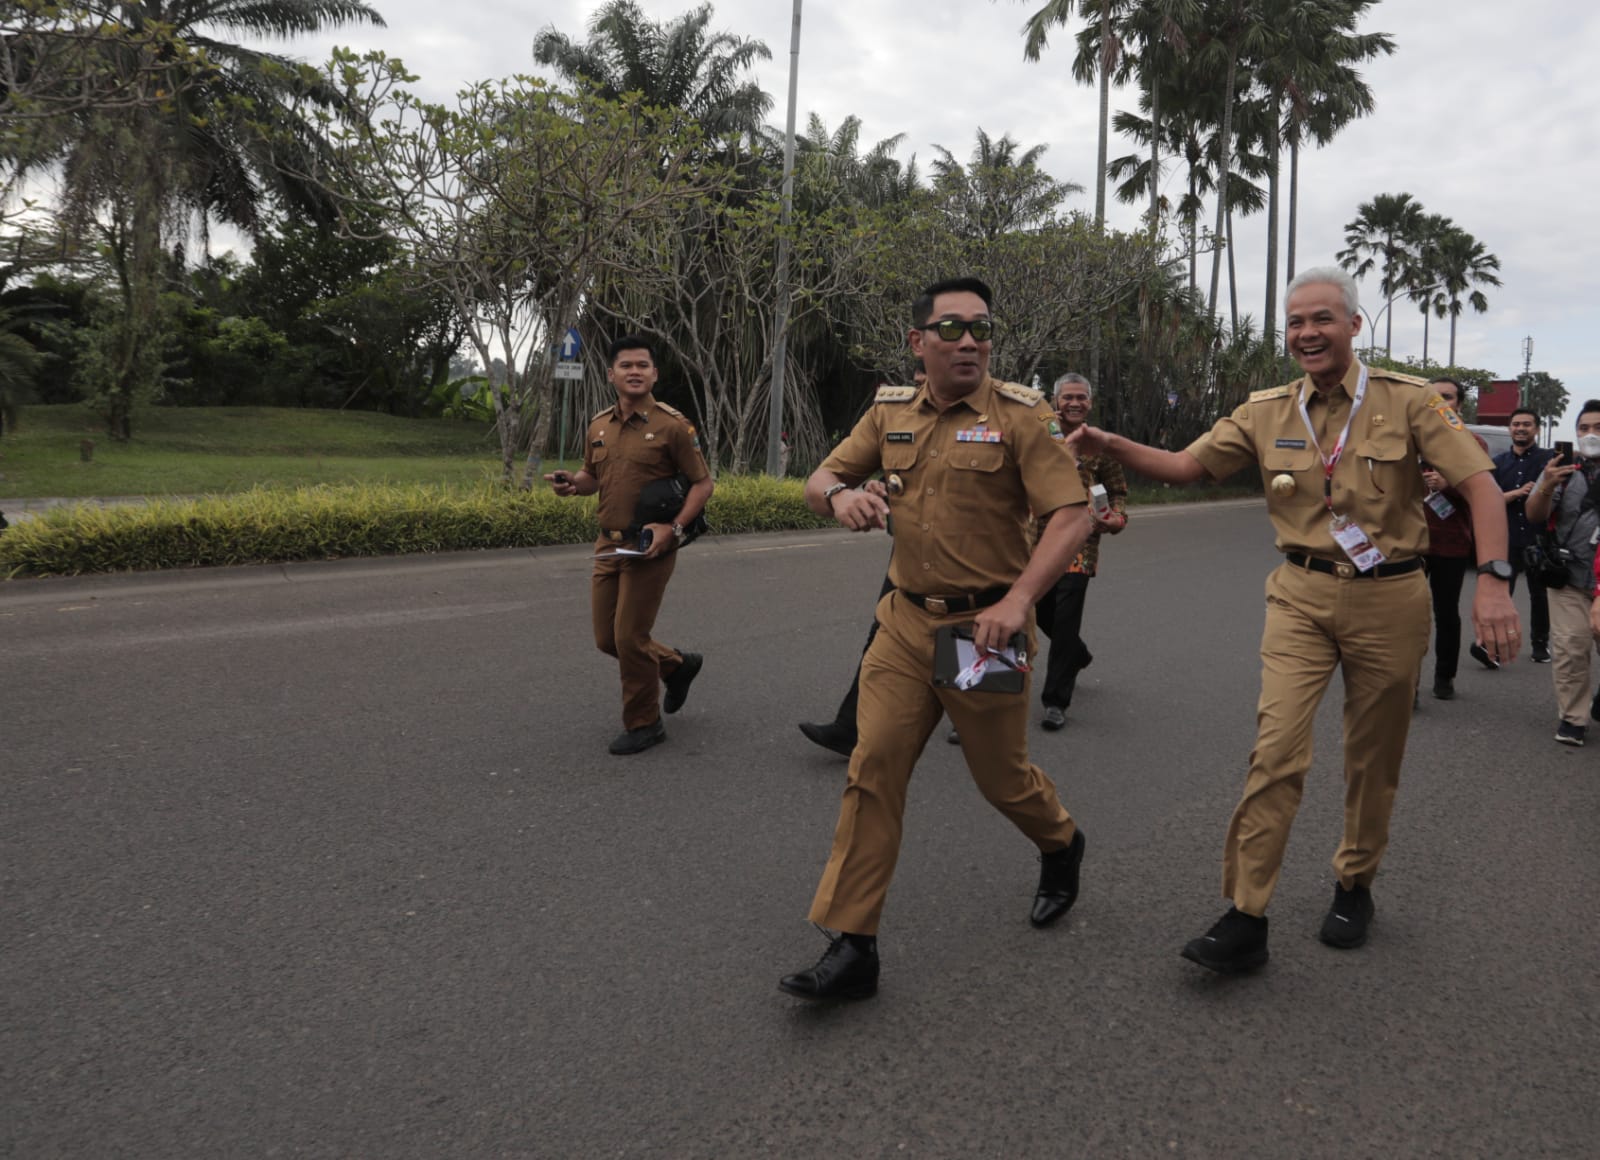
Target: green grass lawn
[{"x": 194, "y": 450}]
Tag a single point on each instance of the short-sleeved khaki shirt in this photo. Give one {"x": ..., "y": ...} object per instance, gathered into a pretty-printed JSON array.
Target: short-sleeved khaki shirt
[
  {"x": 1377, "y": 483},
  {"x": 970, "y": 476},
  {"x": 655, "y": 442}
]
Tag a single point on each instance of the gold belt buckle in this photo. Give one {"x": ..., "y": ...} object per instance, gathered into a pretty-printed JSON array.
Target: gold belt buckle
[
  {"x": 936, "y": 605},
  {"x": 614, "y": 537},
  {"x": 1345, "y": 571}
]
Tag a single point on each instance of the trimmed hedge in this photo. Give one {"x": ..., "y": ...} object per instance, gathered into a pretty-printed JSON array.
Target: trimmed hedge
[{"x": 323, "y": 523}]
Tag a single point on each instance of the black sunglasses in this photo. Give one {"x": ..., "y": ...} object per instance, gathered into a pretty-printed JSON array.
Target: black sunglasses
[{"x": 951, "y": 329}]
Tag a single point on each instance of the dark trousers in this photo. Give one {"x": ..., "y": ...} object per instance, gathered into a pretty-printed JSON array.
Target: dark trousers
[
  {"x": 846, "y": 715},
  {"x": 1060, "y": 616},
  {"x": 1538, "y": 602},
  {"x": 1445, "y": 574}
]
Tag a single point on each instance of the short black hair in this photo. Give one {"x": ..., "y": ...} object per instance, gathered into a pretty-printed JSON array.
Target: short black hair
[
  {"x": 630, "y": 342},
  {"x": 1522, "y": 411},
  {"x": 1456, "y": 383},
  {"x": 1589, "y": 406},
  {"x": 922, "y": 308}
]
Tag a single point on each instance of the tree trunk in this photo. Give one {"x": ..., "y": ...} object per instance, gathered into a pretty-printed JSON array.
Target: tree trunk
[
  {"x": 1425, "y": 313},
  {"x": 1155, "y": 156},
  {"x": 1455, "y": 313},
  {"x": 1225, "y": 156},
  {"x": 1269, "y": 319},
  {"x": 1233, "y": 286}
]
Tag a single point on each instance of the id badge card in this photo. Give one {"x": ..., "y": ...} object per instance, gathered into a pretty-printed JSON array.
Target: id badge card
[
  {"x": 1442, "y": 507},
  {"x": 1361, "y": 550}
]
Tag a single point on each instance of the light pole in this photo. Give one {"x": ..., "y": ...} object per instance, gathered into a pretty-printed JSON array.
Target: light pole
[{"x": 780, "y": 318}]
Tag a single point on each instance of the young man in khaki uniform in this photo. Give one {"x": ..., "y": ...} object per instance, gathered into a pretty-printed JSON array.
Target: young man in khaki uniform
[
  {"x": 965, "y": 460},
  {"x": 629, "y": 445},
  {"x": 1338, "y": 452}
]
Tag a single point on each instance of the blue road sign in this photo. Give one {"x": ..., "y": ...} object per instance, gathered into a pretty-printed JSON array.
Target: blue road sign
[{"x": 571, "y": 346}]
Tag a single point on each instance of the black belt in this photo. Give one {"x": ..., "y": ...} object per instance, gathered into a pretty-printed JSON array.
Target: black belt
[
  {"x": 1347, "y": 570},
  {"x": 944, "y": 605}
]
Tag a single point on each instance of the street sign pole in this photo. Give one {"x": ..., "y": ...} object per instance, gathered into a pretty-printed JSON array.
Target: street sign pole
[{"x": 780, "y": 343}]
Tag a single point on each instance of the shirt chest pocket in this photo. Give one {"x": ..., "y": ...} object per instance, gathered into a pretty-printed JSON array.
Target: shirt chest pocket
[
  {"x": 1291, "y": 459},
  {"x": 899, "y": 456},
  {"x": 1383, "y": 456},
  {"x": 974, "y": 467},
  {"x": 649, "y": 452}
]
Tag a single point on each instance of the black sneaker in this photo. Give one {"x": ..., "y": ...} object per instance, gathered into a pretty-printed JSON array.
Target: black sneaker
[
  {"x": 1348, "y": 917},
  {"x": 1236, "y": 942},
  {"x": 631, "y": 741},
  {"x": 848, "y": 969},
  {"x": 1444, "y": 690},
  {"x": 841, "y": 739},
  {"x": 1570, "y": 734},
  {"x": 953, "y": 737},
  {"x": 1541, "y": 652},
  {"x": 1054, "y": 718},
  {"x": 679, "y": 680},
  {"x": 1481, "y": 655}
]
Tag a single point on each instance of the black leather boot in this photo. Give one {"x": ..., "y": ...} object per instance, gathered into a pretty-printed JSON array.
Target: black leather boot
[
  {"x": 848, "y": 969},
  {"x": 1058, "y": 882}
]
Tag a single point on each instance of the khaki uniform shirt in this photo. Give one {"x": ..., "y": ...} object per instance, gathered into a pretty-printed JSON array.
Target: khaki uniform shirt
[
  {"x": 655, "y": 442},
  {"x": 970, "y": 476},
  {"x": 1377, "y": 483}
]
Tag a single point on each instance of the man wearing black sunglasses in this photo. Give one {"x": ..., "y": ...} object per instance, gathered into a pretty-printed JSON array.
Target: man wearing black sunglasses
[{"x": 967, "y": 458}]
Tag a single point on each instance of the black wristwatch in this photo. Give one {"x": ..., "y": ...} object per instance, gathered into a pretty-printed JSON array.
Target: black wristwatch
[{"x": 1499, "y": 569}]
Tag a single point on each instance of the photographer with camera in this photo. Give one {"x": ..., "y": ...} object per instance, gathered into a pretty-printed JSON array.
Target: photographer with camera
[{"x": 1564, "y": 502}]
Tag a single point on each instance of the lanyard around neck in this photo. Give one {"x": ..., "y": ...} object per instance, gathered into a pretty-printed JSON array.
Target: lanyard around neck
[{"x": 1331, "y": 460}]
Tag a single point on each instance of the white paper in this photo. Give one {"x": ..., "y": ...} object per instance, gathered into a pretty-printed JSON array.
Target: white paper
[{"x": 971, "y": 668}]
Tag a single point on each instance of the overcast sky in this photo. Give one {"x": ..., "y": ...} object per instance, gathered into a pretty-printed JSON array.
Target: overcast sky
[{"x": 1488, "y": 115}]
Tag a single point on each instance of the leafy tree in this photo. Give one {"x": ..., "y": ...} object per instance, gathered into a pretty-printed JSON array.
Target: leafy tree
[
  {"x": 1385, "y": 232},
  {"x": 999, "y": 190},
  {"x": 19, "y": 365},
  {"x": 830, "y": 171},
  {"x": 1545, "y": 394}
]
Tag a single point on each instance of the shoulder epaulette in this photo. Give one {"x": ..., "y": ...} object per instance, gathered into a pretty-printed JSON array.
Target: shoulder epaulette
[
  {"x": 1397, "y": 376},
  {"x": 602, "y": 413},
  {"x": 1271, "y": 393},
  {"x": 895, "y": 395},
  {"x": 673, "y": 411},
  {"x": 1020, "y": 393}
]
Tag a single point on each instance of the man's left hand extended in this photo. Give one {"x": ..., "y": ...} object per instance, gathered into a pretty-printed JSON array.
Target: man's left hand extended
[
  {"x": 1114, "y": 522},
  {"x": 662, "y": 540},
  {"x": 997, "y": 624},
  {"x": 1494, "y": 619}
]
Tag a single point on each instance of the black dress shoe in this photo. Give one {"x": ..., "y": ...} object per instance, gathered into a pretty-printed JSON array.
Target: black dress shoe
[
  {"x": 631, "y": 741},
  {"x": 1348, "y": 917},
  {"x": 680, "y": 679},
  {"x": 1058, "y": 882},
  {"x": 1444, "y": 690},
  {"x": 848, "y": 969},
  {"x": 839, "y": 738},
  {"x": 1236, "y": 942}
]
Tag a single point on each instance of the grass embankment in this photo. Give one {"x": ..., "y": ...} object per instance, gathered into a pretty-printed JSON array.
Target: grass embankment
[
  {"x": 220, "y": 450},
  {"x": 281, "y": 485}
]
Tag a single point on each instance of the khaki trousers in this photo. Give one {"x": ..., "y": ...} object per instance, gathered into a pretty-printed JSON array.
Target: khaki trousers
[
  {"x": 1376, "y": 631},
  {"x": 899, "y": 709},
  {"x": 626, "y": 596},
  {"x": 1571, "y": 646}
]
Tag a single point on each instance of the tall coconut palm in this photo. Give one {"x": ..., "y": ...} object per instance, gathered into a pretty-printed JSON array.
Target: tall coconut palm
[
  {"x": 1086, "y": 68},
  {"x": 830, "y": 170},
  {"x": 1308, "y": 52},
  {"x": 1386, "y": 231},
  {"x": 680, "y": 65},
  {"x": 1424, "y": 285},
  {"x": 1463, "y": 264}
]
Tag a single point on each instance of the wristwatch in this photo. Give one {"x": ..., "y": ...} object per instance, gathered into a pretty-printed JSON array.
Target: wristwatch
[
  {"x": 1499, "y": 569},
  {"x": 827, "y": 496},
  {"x": 677, "y": 534}
]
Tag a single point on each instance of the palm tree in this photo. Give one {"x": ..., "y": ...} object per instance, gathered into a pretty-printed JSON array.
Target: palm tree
[
  {"x": 999, "y": 190},
  {"x": 1463, "y": 265},
  {"x": 830, "y": 170},
  {"x": 677, "y": 65},
  {"x": 1086, "y": 67},
  {"x": 1387, "y": 230},
  {"x": 1308, "y": 50},
  {"x": 1424, "y": 287},
  {"x": 230, "y": 138}
]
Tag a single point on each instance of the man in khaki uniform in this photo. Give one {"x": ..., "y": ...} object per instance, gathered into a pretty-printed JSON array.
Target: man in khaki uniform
[
  {"x": 965, "y": 460},
  {"x": 629, "y": 445},
  {"x": 1338, "y": 452}
]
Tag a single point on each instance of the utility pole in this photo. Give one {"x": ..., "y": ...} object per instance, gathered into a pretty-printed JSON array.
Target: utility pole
[{"x": 780, "y": 319}]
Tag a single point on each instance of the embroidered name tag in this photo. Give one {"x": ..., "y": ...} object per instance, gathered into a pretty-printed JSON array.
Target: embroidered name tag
[
  {"x": 1291, "y": 444},
  {"x": 977, "y": 435},
  {"x": 900, "y": 437}
]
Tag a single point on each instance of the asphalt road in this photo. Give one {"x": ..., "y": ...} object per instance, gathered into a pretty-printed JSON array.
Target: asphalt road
[{"x": 330, "y": 860}]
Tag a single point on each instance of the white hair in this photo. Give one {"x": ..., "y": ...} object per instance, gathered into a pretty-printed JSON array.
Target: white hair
[
  {"x": 1328, "y": 276},
  {"x": 1072, "y": 377}
]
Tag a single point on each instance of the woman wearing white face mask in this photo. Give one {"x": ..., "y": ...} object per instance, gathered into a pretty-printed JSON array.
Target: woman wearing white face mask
[{"x": 1565, "y": 499}]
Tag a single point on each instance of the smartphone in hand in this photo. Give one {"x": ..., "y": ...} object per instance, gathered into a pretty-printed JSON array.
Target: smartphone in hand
[{"x": 1564, "y": 449}]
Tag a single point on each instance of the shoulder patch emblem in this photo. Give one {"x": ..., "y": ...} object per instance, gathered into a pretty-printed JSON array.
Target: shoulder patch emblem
[
  {"x": 1272, "y": 393},
  {"x": 1435, "y": 402},
  {"x": 1055, "y": 432},
  {"x": 895, "y": 395},
  {"x": 1020, "y": 393}
]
